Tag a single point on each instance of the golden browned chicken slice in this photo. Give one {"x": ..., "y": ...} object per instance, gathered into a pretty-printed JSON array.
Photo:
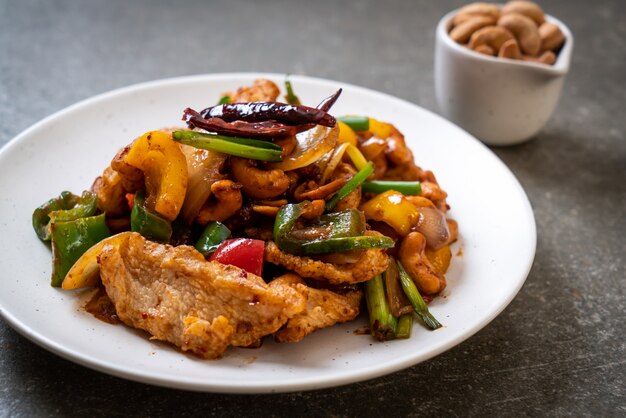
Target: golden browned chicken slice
[
  {"x": 200, "y": 306},
  {"x": 371, "y": 262},
  {"x": 262, "y": 90},
  {"x": 324, "y": 308}
]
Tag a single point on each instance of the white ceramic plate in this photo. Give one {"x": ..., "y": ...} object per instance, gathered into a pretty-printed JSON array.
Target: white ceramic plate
[{"x": 67, "y": 150}]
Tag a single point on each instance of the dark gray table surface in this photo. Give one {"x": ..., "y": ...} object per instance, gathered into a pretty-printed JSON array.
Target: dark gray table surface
[{"x": 557, "y": 350}]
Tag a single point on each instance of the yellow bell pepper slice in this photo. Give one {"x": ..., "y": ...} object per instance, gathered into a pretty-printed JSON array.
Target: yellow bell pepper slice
[
  {"x": 356, "y": 156},
  {"x": 165, "y": 170},
  {"x": 380, "y": 130},
  {"x": 346, "y": 134},
  {"x": 394, "y": 209},
  {"x": 86, "y": 271}
]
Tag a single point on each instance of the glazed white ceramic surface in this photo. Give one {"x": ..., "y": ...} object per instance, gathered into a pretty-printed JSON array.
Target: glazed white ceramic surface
[
  {"x": 500, "y": 101},
  {"x": 68, "y": 149}
]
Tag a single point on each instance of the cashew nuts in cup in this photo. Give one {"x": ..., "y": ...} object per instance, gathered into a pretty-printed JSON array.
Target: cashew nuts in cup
[{"x": 517, "y": 31}]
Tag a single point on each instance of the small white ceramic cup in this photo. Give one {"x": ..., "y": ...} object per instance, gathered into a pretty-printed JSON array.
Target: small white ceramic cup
[{"x": 500, "y": 101}]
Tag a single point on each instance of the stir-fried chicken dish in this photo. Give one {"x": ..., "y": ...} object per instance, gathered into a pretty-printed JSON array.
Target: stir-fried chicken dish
[{"x": 260, "y": 217}]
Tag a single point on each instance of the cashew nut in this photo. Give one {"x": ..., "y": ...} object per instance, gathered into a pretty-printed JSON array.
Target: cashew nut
[
  {"x": 412, "y": 255},
  {"x": 492, "y": 36},
  {"x": 380, "y": 166},
  {"x": 311, "y": 191},
  {"x": 547, "y": 57},
  {"x": 476, "y": 9},
  {"x": 453, "y": 227},
  {"x": 132, "y": 178},
  {"x": 551, "y": 36},
  {"x": 524, "y": 29},
  {"x": 257, "y": 183},
  {"x": 462, "y": 32},
  {"x": 485, "y": 49},
  {"x": 227, "y": 202},
  {"x": 270, "y": 211},
  {"x": 510, "y": 49},
  {"x": 526, "y": 8},
  {"x": 314, "y": 209},
  {"x": 397, "y": 152},
  {"x": 111, "y": 193}
]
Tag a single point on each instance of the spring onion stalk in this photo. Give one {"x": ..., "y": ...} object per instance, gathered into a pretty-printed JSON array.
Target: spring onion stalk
[
  {"x": 239, "y": 147},
  {"x": 416, "y": 299},
  {"x": 382, "y": 323},
  {"x": 352, "y": 184},
  {"x": 224, "y": 100},
  {"x": 291, "y": 97},
  {"x": 404, "y": 187},
  {"x": 356, "y": 156},
  {"x": 357, "y": 123},
  {"x": 405, "y": 325}
]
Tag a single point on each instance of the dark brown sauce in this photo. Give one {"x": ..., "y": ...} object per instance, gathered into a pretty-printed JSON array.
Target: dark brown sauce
[
  {"x": 102, "y": 308},
  {"x": 364, "y": 330}
]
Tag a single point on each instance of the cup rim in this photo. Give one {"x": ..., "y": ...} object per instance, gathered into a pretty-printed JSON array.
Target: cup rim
[{"x": 560, "y": 67}]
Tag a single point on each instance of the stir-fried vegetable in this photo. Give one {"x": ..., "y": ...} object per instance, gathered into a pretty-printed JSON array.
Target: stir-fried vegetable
[
  {"x": 405, "y": 326},
  {"x": 69, "y": 222},
  {"x": 213, "y": 235},
  {"x": 244, "y": 253},
  {"x": 66, "y": 207},
  {"x": 263, "y": 129},
  {"x": 70, "y": 239},
  {"x": 352, "y": 184},
  {"x": 291, "y": 98},
  {"x": 357, "y": 123},
  {"x": 263, "y": 111},
  {"x": 311, "y": 145},
  {"x": 239, "y": 147},
  {"x": 382, "y": 322},
  {"x": 357, "y": 157},
  {"x": 416, "y": 299},
  {"x": 346, "y": 134},
  {"x": 165, "y": 171},
  {"x": 86, "y": 272},
  {"x": 336, "y": 232},
  {"x": 203, "y": 168},
  {"x": 394, "y": 209},
  {"x": 147, "y": 223},
  {"x": 223, "y": 100},
  {"x": 405, "y": 187}
]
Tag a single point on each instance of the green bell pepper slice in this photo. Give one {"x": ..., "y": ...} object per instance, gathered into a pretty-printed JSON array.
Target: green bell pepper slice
[
  {"x": 70, "y": 239},
  {"x": 66, "y": 207},
  {"x": 334, "y": 232},
  {"x": 150, "y": 225},
  {"x": 213, "y": 235}
]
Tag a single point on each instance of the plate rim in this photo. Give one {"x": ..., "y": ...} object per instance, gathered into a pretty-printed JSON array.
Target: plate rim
[{"x": 311, "y": 383}]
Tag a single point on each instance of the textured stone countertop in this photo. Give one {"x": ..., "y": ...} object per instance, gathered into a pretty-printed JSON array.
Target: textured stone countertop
[{"x": 558, "y": 349}]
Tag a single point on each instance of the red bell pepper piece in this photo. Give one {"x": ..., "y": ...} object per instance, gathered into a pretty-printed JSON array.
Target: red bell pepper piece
[{"x": 245, "y": 253}]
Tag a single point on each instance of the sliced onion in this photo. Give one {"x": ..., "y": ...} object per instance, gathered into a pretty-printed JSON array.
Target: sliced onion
[
  {"x": 432, "y": 224},
  {"x": 398, "y": 301},
  {"x": 203, "y": 169},
  {"x": 312, "y": 145},
  {"x": 334, "y": 161}
]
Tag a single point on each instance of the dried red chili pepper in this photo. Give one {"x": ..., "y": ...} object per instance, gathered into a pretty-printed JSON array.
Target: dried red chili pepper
[
  {"x": 263, "y": 129},
  {"x": 328, "y": 102},
  {"x": 264, "y": 111}
]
